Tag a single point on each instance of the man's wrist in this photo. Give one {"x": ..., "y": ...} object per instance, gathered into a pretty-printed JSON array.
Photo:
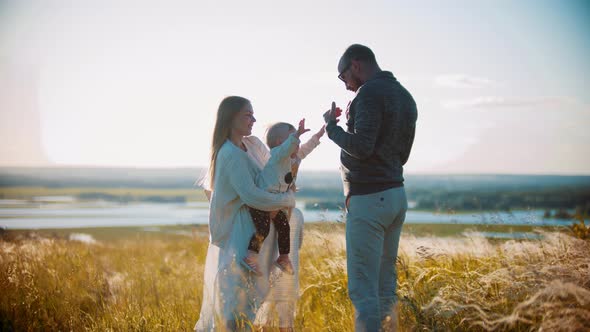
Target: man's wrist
[{"x": 331, "y": 129}]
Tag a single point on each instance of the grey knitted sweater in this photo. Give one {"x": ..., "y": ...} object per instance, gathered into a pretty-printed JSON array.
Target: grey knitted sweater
[{"x": 381, "y": 125}]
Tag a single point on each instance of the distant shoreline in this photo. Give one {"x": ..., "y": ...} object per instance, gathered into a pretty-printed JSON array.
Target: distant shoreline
[
  {"x": 432, "y": 200},
  {"x": 459, "y": 193}
]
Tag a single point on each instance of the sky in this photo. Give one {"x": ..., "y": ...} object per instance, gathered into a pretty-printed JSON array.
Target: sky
[{"x": 501, "y": 86}]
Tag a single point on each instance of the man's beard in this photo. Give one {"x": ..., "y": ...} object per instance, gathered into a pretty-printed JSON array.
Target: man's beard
[{"x": 356, "y": 83}]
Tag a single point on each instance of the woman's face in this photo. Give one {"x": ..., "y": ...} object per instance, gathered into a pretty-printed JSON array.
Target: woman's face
[{"x": 243, "y": 121}]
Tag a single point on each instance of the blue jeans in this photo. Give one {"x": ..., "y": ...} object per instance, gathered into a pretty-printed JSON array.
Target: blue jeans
[{"x": 373, "y": 227}]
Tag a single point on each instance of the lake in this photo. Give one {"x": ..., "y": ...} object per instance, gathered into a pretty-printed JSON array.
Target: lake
[{"x": 62, "y": 212}]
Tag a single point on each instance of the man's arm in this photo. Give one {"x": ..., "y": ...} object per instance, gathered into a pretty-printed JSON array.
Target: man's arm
[{"x": 367, "y": 121}]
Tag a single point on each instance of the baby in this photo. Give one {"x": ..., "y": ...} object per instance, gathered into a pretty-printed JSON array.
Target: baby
[{"x": 278, "y": 176}]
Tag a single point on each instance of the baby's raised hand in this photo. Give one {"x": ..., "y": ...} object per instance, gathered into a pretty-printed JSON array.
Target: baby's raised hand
[
  {"x": 301, "y": 130},
  {"x": 320, "y": 132}
]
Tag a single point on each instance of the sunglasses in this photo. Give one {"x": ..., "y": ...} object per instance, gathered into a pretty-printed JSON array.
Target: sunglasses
[{"x": 341, "y": 75}]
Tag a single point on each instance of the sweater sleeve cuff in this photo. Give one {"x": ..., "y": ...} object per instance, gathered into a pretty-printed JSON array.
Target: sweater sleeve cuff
[
  {"x": 331, "y": 128},
  {"x": 330, "y": 125}
]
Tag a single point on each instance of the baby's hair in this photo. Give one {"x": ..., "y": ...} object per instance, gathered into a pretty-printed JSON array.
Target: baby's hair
[{"x": 274, "y": 131}]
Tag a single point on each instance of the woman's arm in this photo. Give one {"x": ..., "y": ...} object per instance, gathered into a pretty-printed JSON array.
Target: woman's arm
[{"x": 243, "y": 183}]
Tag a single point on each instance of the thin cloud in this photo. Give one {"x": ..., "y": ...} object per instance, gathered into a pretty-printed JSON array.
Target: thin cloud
[
  {"x": 502, "y": 102},
  {"x": 462, "y": 81}
]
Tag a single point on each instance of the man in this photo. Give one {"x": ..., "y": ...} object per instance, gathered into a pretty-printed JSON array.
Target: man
[{"x": 381, "y": 122}]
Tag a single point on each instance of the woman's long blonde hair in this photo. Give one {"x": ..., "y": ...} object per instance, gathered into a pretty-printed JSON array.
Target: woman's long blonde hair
[{"x": 229, "y": 107}]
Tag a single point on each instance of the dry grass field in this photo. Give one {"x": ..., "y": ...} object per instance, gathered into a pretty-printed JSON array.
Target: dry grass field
[{"x": 130, "y": 279}]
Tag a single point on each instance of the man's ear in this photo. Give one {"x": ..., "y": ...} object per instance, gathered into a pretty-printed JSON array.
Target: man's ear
[{"x": 355, "y": 66}]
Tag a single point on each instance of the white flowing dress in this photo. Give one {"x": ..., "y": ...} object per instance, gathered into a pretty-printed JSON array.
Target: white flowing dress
[{"x": 230, "y": 294}]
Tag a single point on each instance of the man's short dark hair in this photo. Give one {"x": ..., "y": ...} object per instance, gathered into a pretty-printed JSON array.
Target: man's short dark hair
[{"x": 359, "y": 52}]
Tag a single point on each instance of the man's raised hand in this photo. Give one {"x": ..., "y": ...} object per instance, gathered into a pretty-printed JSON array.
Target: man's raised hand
[{"x": 333, "y": 113}]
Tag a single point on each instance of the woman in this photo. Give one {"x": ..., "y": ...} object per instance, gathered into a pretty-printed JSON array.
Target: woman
[{"x": 231, "y": 294}]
